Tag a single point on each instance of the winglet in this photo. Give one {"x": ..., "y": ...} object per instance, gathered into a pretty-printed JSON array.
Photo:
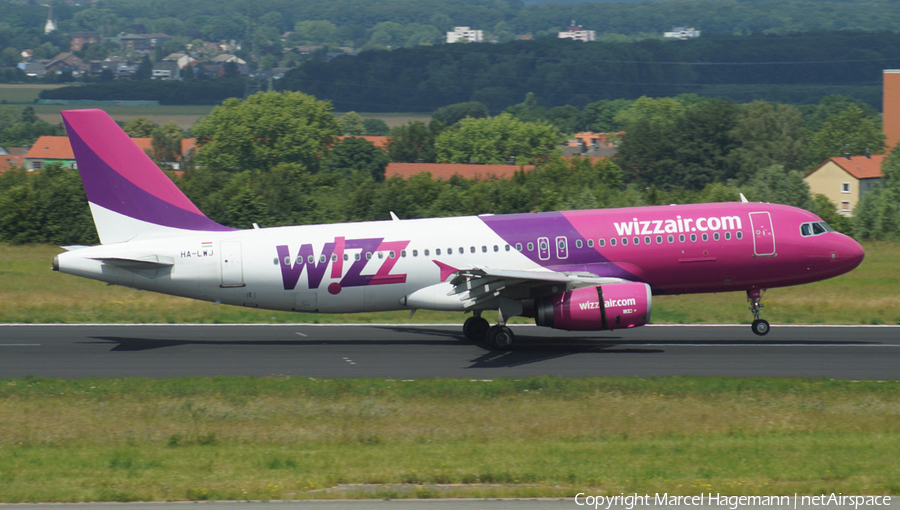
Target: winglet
[{"x": 128, "y": 194}]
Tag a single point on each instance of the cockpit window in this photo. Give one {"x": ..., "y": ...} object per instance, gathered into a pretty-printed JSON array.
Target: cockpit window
[{"x": 814, "y": 228}]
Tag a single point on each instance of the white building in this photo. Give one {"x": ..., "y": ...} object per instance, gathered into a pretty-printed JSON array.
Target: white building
[
  {"x": 682, "y": 33},
  {"x": 578, "y": 33},
  {"x": 465, "y": 34}
]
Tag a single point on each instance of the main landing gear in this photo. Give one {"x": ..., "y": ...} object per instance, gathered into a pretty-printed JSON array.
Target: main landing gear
[
  {"x": 759, "y": 326},
  {"x": 478, "y": 330}
]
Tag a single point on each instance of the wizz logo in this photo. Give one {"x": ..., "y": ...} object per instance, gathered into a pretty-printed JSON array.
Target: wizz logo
[{"x": 336, "y": 254}]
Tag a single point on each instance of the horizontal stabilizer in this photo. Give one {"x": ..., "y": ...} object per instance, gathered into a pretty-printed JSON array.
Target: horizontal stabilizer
[{"x": 146, "y": 262}]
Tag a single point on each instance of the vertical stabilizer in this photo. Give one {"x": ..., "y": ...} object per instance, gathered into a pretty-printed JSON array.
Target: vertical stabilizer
[{"x": 128, "y": 194}]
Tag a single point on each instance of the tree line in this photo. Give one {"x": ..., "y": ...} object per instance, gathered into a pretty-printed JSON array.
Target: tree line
[
  {"x": 356, "y": 22},
  {"x": 797, "y": 69},
  {"x": 273, "y": 159},
  {"x": 791, "y": 69}
]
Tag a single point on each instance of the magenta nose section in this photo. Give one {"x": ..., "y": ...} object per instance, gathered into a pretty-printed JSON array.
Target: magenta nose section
[
  {"x": 844, "y": 254},
  {"x": 853, "y": 254}
]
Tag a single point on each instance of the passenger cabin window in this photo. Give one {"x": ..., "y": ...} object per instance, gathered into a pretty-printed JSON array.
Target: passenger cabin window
[
  {"x": 602, "y": 243},
  {"x": 578, "y": 243},
  {"x": 591, "y": 243}
]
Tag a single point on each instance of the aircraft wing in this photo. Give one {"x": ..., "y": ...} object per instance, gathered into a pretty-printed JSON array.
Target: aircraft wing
[{"x": 478, "y": 285}]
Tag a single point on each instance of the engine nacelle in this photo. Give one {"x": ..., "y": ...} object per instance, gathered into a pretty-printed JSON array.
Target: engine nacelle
[{"x": 613, "y": 306}]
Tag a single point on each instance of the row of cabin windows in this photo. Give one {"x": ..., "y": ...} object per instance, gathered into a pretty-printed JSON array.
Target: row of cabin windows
[
  {"x": 670, "y": 239},
  {"x": 561, "y": 247}
]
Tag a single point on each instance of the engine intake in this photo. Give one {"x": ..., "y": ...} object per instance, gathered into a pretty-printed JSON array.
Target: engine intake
[{"x": 606, "y": 307}]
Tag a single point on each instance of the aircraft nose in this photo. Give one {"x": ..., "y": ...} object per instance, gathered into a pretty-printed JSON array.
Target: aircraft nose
[
  {"x": 846, "y": 253},
  {"x": 853, "y": 253}
]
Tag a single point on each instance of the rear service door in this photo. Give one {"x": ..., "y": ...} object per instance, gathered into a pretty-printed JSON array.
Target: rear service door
[
  {"x": 232, "y": 266},
  {"x": 763, "y": 234}
]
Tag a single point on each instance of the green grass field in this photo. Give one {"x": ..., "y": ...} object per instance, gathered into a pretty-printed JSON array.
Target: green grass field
[
  {"x": 31, "y": 292},
  {"x": 19, "y": 96},
  {"x": 295, "y": 438}
]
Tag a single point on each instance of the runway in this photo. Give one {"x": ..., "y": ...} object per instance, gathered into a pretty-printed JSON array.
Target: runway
[{"x": 427, "y": 351}]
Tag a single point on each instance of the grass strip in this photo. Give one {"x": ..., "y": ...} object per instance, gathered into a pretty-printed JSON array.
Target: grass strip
[
  {"x": 30, "y": 292},
  {"x": 204, "y": 438}
]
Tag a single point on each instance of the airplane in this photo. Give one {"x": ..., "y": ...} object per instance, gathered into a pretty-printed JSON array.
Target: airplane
[{"x": 586, "y": 270}]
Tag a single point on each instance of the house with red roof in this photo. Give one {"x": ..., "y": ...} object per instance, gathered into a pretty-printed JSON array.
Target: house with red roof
[
  {"x": 845, "y": 179},
  {"x": 56, "y": 149},
  {"x": 378, "y": 141}
]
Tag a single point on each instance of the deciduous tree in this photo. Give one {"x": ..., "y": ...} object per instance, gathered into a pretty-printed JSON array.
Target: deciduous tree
[
  {"x": 495, "y": 140},
  {"x": 266, "y": 129}
]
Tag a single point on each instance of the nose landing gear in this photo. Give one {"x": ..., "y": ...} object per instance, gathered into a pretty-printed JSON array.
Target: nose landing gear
[{"x": 759, "y": 326}]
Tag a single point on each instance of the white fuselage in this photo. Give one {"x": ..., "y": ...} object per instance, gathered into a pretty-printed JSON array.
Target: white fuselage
[{"x": 378, "y": 264}]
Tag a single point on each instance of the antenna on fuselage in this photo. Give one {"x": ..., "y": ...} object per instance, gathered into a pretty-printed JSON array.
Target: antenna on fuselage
[
  {"x": 394, "y": 216},
  {"x": 743, "y": 198}
]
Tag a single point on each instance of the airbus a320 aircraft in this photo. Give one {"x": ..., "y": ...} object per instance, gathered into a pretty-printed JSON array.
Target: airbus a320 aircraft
[{"x": 573, "y": 270}]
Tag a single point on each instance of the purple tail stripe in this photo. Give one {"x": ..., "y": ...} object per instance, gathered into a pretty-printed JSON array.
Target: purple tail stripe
[{"x": 119, "y": 176}]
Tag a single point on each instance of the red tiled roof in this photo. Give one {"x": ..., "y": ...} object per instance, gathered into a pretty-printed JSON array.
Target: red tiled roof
[
  {"x": 57, "y": 147},
  {"x": 860, "y": 167},
  {"x": 448, "y": 170},
  {"x": 51, "y": 147},
  {"x": 8, "y": 161},
  {"x": 378, "y": 141}
]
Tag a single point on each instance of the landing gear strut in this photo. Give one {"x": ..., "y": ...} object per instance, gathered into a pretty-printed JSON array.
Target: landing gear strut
[{"x": 759, "y": 326}]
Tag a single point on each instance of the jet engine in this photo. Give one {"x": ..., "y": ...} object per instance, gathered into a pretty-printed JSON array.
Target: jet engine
[{"x": 612, "y": 306}]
